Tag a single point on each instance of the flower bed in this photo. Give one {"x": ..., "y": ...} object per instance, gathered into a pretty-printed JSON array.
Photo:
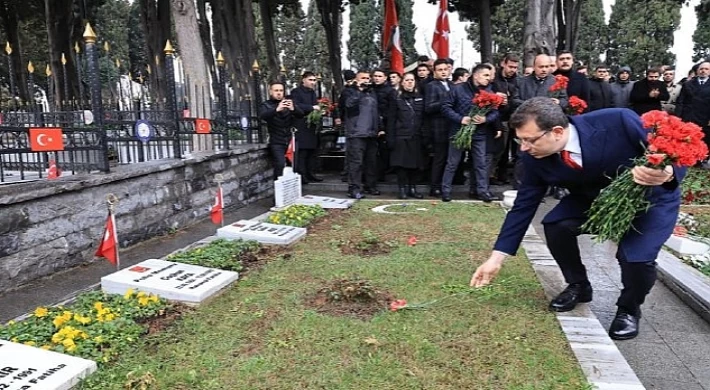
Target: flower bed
[
  {"x": 297, "y": 215},
  {"x": 97, "y": 326},
  {"x": 228, "y": 255},
  {"x": 696, "y": 187},
  {"x": 697, "y": 228}
]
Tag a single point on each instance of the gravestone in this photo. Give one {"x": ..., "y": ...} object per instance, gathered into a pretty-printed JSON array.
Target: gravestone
[
  {"x": 287, "y": 188},
  {"x": 28, "y": 368},
  {"x": 325, "y": 202},
  {"x": 265, "y": 233},
  {"x": 166, "y": 279}
]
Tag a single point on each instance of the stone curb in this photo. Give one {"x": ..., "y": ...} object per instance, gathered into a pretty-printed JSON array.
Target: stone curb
[
  {"x": 691, "y": 286},
  {"x": 598, "y": 356}
]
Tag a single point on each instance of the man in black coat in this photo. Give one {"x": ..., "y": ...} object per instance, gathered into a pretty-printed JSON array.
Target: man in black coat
[
  {"x": 647, "y": 94},
  {"x": 304, "y": 96},
  {"x": 578, "y": 85},
  {"x": 279, "y": 114},
  {"x": 385, "y": 97},
  {"x": 438, "y": 124},
  {"x": 693, "y": 104},
  {"x": 505, "y": 84},
  {"x": 600, "y": 90}
]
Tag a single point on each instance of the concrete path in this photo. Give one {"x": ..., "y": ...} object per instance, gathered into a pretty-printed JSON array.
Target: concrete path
[{"x": 672, "y": 352}]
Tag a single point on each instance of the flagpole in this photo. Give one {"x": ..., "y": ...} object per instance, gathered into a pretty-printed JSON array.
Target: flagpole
[
  {"x": 219, "y": 179},
  {"x": 112, "y": 201}
]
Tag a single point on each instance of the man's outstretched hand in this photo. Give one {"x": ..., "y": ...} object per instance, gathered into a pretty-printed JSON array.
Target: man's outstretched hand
[{"x": 486, "y": 272}]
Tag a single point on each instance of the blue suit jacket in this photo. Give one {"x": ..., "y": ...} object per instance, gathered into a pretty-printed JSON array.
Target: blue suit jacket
[{"x": 610, "y": 139}]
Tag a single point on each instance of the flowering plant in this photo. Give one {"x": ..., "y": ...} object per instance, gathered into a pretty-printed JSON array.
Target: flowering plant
[
  {"x": 483, "y": 103},
  {"x": 670, "y": 142},
  {"x": 297, "y": 215},
  {"x": 576, "y": 106},
  {"x": 326, "y": 108},
  {"x": 223, "y": 254},
  {"x": 560, "y": 85}
]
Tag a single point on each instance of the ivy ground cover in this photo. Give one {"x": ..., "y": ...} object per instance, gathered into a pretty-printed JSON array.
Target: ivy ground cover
[{"x": 275, "y": 330}]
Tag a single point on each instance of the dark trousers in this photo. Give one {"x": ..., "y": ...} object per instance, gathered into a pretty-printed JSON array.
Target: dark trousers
[
  {"x": 278, "y": 156},
  {"x": 438, "y": 163},
  {"x": 480, "y": 160},
  {"x": 383, "y": 158},
  {"x": 362, "y": 157},
  {"x": 306, "y": 162},
  {"x": 637, "y": 277},
  {"x": 406, "y": 177}
]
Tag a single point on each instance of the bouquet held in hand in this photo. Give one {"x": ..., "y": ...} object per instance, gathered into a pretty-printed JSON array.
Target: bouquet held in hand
[
  {"x": 326, "y": 108},
  {"x": 576, "y": 106},
  {"x": 670, "y": 142},
  {"x": 483, "y": 103},
  {"x": 560, "y": 85}
]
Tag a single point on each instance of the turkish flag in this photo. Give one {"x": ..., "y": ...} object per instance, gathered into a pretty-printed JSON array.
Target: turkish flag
[
  {"x": 202, "y": 126},
  {"x": 108, "y": 249},
  {"x": 440, "y": 43},
  {"x": 46, "y": 139},
  {"x": 390, "y": 37},
  {"x": 53, "y": 172},
  {"x": 291, "y": 149},
  {"x": 216, "y": 212}
]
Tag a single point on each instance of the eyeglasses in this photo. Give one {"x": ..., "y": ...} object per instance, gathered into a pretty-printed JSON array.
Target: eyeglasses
[{"x": 531, "y": 141}]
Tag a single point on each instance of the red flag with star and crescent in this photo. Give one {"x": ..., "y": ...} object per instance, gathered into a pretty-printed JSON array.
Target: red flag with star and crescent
[
  {"x": 216, "y": 212},
  {"x": 108, "y": 249},
  {"x": 390, "y": 38},
  {"x": 46, "y": 139},
  {"x": 440, "y": 43}
]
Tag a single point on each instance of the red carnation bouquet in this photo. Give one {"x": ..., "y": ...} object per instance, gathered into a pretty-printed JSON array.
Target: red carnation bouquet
[
  {"x": 483, "y": 103},
  {"x": 576, "y": 106},
  {"x": 560, "y": 85},
  {"x": 326, "y": 108},
  {"x": 670, "y": 142}
]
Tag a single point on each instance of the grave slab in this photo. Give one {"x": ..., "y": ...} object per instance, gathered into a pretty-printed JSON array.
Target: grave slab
[
  {"x": 28, "y": 368},
  {"x": 265, "y": 233},
  {"x": 287, "y": 188},
  {"x": 326, "y": 202},
  {"x": 173, "y": 281}
]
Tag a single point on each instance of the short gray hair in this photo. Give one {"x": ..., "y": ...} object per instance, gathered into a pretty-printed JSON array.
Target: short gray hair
[{"x": 543, "y": 111}]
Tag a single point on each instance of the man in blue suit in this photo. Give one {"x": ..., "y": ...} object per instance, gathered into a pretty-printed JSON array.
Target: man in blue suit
[{"x": 581, "y": 154}]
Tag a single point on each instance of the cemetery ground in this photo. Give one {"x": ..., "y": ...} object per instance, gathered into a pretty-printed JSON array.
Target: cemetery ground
[{"x": 317, "y": 315}]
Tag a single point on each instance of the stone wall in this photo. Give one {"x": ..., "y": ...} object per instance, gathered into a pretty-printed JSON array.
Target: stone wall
[{"x": 48, "y": 226}]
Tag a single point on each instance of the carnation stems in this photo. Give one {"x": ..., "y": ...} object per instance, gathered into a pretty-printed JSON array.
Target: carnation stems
[{"x": 614, "y": 210}]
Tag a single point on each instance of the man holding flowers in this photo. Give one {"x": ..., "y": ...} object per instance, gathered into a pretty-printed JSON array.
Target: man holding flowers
[{"x": 585, "y": 154}]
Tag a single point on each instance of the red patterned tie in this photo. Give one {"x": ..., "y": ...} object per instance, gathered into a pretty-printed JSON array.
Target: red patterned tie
[{"x": 567, "y": 159}]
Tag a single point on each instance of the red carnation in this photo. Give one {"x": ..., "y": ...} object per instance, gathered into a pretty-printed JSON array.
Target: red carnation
[
  {"x": 398, "y": 304},
  {"x": 656, "y": 158},
  {"x": 576, "y": 105}
]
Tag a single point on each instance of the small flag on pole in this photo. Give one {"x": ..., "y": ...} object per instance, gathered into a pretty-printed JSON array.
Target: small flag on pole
[
  {"x": 108, "y": 249},
  {"x": 291, "y": 149},
  {"x": 216, "y": 212},
  {"x": 53, "y": 172}
]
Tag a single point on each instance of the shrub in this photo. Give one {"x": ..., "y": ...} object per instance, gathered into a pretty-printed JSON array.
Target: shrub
[{"x": 221, "y": 254}]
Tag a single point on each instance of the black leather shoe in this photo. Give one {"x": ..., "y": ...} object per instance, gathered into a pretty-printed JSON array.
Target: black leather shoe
[
  {"x": 625, "y": 326},
  {"x": 435, "y": 192},
  {"x": 572, "y": 295},
  {"x": 372, "y": 191},
  {"x": 315, "y": 179},
  {"x": 413, "y": 193},
  {"x": 446, "y": 198},
  {"x": 402, "y": 193},
  {"x": 487, "y": 197},
  {"x": 356, "y": 195}
]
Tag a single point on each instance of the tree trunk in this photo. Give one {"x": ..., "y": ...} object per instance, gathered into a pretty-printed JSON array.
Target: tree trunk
[
  {"x": 568, "y": 12},
  {"x": 10, "y": 19},
  {"x": 237, "y": 40},
  {"x": 60, "y": 29},
  {"x": 560, "y": 6},
  {"x": 539, "y": 33},
  {"x": 267, "y": 22},
  {"x": 485, "y": 31},
  {"x": 155, "y": 20},
  {"x": 206, "y": 37},
  {"x": 330, "y": 18},
  {"x": 574, "y": 24}
]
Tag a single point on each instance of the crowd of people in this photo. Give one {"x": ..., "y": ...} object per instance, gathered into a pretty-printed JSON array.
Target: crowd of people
[{"x": 404, "y": 123}]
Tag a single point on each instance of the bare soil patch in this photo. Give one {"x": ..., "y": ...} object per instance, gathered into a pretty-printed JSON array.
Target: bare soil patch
[{"x": 355, "y": 298}]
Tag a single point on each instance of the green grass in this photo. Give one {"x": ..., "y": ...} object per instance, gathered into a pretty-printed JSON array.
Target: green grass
[{"x": 260, "y": 335}]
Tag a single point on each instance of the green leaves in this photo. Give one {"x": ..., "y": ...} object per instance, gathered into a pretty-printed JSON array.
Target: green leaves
[
  {"x": 220, "y": 254},
  {"x": 297, "y": 215}
]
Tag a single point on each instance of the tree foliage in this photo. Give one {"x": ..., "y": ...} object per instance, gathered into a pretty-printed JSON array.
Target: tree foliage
[
  {"x": 701, "y": 36},
  {"x": 592, "y": 36},
  {"x": 407, "y": 29},
  {"x": 290, "y": 24},
  {"x": 641, "y": 33},
  {"x": 314, "y": 50},
  {"x": 364, "y": 44},
  {"x": 507, "y": 29}
]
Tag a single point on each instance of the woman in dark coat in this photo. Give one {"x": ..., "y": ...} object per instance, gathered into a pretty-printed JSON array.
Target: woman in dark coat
[{"x": 404, "y": 136}]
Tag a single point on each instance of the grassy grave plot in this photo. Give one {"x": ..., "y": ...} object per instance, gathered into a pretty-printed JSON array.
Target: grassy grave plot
[{"x": 322, "y": 319}]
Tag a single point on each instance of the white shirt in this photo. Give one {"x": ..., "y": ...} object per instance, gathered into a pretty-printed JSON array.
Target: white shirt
[{"x": 573, "y": 146}]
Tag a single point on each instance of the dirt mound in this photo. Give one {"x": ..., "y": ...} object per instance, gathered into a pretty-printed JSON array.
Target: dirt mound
[{"x": 350, "y": 298}]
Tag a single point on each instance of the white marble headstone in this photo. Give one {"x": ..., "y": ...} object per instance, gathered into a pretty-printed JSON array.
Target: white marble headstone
[
  {"x": 266, "y": 233},
  {"x": 287, "y": 188},
  {"x": 28, "y": 368},
  {"x": 173, "y": 281},
  {"x": 325, "y": 202}
]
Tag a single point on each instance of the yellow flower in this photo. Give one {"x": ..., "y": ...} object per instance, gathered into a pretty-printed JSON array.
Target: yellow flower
[
  {"x": 99, "y": 339},
  {"x": 141, "y": 294},
  {"x": 110, "y": 317},
  {"x": 58, "y": 321},
  {"x": 128, "y": 294},
  {"x": 98, "y": 306},
  {"x": 14, "y": 339},
  {"x": 67, "y": 315},
  {"x": 143, "y": 301},
  {"x": 46, "y": 347},
  {"x": 57, "y": 338},
  {"x": 68, "y": 343},
  {"x": 41, "y": 312},
  {"x": 10, "y": 323},
  {"x": 154, "y": 298},
  {"x": 30, "y": 343}
]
